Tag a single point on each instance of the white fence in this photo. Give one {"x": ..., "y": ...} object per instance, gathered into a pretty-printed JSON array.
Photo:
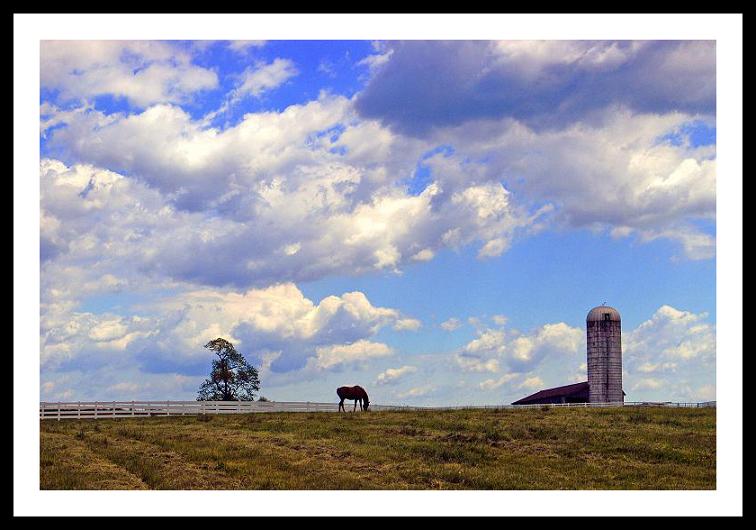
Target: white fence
[
  {"x": 587, "y": 405},
  {"x": 120, "y": 409}
]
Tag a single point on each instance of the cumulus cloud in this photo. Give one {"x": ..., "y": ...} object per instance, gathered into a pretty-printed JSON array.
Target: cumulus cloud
[
  {"x": 532, "y": 383},
  {"x": 393, "y": 375},
  {"x": 669, "y": 339},
  {"x": 648, "y": 383},
  {"x": 520, "y": 351},
  {"x": 475, "y": 363},
  {"x": 451, "y": 324},
  {"x": 276, "y": 324},
  {"x": 264, "y": 77},
  {"x": 600, "y": 130},
  {"x": 430, "y": 84},
  {"x": 493, "y": 384},
  {"x": 283, "y": 207},
  {"x": 407, "y": 324},
  {"x": 358, "y": 352},
  {"x": 696, "y": 245},
  {"x": 144, "y": 72},
  {"x": 617, "y": 173},
  {"x": 488, "y": 341}
]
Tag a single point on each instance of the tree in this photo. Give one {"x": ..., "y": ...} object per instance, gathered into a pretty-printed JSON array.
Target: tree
[{"x": 232, "y": 378}]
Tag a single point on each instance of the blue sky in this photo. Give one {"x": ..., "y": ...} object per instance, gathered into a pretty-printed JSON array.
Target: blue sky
[{"x": 430, "y": 219}]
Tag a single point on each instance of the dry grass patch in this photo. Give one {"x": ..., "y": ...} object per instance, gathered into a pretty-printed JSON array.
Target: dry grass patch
[{"x": 463, "y": 449}]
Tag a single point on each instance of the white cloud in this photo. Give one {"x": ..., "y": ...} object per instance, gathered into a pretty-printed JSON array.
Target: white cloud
[
  {"x": 407, "y": 324},
  {"x": 451, "y": 324},
  {"x": 276, "y": 323},
  {"x": 671, "y": 336},
  {"x": 524, "y": 351},
  {"x": 648, "y": 383},
  {"x": 474, "y": 363},
  {"x": 670, "y": 357},
  {"x": 696, "y": 245},
  {"x": 393, "y": 375},
  {"x": 270, "y": 185},
  {"x": 614, "y": 173},
  {"x": 264, "y": 77},
  {"x": 534, "y": 58},
  {"x": 108, "y": 330},
  {"x": 415, "y": 392},
  {"x": 243, "y": 46},
  {"x": 488, "y": 341},
  {"x": 376, "y": 60},
  {"x": 144, "y": 72},
  {"x": 499, "y": 320},
  {"x": 532, "y": 383},
  {"x": 424, "y": 255},
  {"x": 493, "y": 384},
  {"x": 648, "y": 367},
  {"x": 329, "y": 357}
]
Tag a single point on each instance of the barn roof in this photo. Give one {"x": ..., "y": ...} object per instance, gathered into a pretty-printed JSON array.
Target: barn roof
[{"x": 556, "y": 392}]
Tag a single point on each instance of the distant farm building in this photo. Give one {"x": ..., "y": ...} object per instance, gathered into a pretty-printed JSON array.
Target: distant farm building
[
  {"x": 604, "y": 385},
  {"x": 577, "y": 393}
]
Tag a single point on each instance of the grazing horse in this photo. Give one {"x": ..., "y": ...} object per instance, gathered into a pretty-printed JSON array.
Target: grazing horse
[{"x": 357, "y": 393}]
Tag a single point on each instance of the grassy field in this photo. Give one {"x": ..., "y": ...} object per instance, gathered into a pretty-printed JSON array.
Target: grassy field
[{"x": 630, "y": 448}]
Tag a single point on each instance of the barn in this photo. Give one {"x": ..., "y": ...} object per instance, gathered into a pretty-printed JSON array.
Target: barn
[{"x": 575, "y": 393}]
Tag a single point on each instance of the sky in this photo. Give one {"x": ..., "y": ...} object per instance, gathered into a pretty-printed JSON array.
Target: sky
[{"x": 431, "y": 220}]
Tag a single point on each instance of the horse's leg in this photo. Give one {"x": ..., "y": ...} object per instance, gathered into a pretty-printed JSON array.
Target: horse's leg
[
  {"x": 360, "y": 404},
  {"x": 355, "y": 406},
  {"x": 341, "y": 405}
]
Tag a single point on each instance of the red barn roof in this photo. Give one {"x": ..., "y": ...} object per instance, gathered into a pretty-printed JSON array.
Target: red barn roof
[{"x": 576, "y": 391}]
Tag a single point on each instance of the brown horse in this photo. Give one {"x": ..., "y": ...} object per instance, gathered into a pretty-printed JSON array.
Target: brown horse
[{"x": 357, "y": 393}]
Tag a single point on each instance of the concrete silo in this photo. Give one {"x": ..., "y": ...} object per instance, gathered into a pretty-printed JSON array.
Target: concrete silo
[{"x": 604, "y": 329}]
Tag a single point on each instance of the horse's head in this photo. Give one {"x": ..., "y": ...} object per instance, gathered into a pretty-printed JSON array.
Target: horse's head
[{"x": 365, "y": 403}]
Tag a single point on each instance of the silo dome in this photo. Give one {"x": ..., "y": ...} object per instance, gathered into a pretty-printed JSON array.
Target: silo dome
[{"x": 599, "y": 313}]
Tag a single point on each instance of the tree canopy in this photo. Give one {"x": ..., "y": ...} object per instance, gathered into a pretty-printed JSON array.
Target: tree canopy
[{"x": 232, "y": 378}]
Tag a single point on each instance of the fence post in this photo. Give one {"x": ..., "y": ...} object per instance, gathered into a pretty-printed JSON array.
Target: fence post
[
  {"x": 58, "y": 410},
  {"x": 78, "y": 410},
  {"x": 132, "y": 407},
  {"x": 168, "y": 408},
  {"x": 114, "y": 409},
  {"x": 96, "y": 406}
]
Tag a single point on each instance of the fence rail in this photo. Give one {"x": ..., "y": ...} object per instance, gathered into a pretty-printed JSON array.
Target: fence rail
[{"x": 120, "y": 409}]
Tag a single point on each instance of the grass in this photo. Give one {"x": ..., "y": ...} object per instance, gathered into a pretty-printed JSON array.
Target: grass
[{"x": 551, "y": 448}]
